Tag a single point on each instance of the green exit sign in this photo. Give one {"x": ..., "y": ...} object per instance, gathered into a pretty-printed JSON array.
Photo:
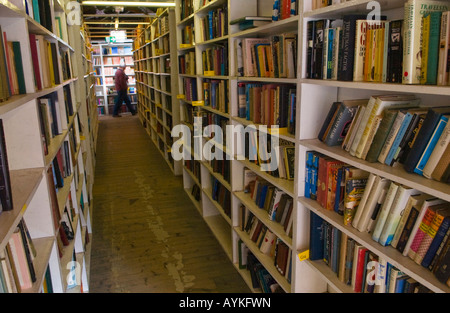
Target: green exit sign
[{"x": 110, "y": 39}]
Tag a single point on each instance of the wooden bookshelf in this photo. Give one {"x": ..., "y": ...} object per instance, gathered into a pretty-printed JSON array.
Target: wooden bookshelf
[{"x": 28, "y": 160}]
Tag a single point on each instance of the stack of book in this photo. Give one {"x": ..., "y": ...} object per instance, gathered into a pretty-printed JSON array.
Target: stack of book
[
  {"x": 392, "y": 130},
  {"x": 214, "y": 24}
]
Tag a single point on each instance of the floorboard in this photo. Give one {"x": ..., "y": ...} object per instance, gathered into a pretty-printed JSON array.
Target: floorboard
[{"x": 147, "y": 234}]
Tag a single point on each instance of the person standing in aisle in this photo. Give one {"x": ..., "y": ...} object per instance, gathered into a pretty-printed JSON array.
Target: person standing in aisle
[{"x": 121, "y": 83}]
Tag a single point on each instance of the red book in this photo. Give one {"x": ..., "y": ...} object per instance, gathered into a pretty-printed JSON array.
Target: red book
[
  {"x": 358, "y": 267},
  {"x": 8, "y": 61},
  {"x": 34, "y": 55}
]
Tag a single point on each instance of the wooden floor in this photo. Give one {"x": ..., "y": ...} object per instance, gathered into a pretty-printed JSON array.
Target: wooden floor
[{"x": 147, "y": 235}]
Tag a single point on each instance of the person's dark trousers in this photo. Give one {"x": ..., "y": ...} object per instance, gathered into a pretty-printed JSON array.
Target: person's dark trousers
[{"x": 122, "y": 96}]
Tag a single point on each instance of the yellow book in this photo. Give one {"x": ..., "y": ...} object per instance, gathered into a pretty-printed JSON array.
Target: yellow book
[
  {"x": 425, "y": 43},
  {"x": 50, "y": 64},
  {"x": 368, "y": 52}
]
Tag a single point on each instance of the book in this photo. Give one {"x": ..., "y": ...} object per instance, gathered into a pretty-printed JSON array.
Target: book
[
  {"x": 340, "y": 122},
  {"x": 355, "y": 183},
  {"x": 407, "y": 219},
  {"x": 437, "y": 152},
  {"x": 19, "y": 66},
  {"x": 358, "y": 267},
  {"x": 395, "y": 213},
  {"x": 444, "y": 46},
  {"x": 351, "y": 133},
  {"x": 430, "y": 233},
  {"x": 438, "y": 130},
  {"x": 395, "y": 52},
  {"x": 367, "y": 211},
  {"x": 347, "y": 47},
  {"x": 367, "y": 192},
  {"x": 426, "y": 131},
  {"x": 375, "y": 107},
  {"x": 412, "y": 50},
  {"x": 316, "y": 241},
  {"x": 440, "y": 173},
  {"x": 431, "y": 59},
  {"x": 423, "y": 226},
  {"x": 384, "y": 211},
  {"x": 6, "y": 200}
]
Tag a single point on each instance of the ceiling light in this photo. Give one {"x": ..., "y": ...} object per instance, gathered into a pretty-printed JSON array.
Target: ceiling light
[{"x": 129, "y": 3}]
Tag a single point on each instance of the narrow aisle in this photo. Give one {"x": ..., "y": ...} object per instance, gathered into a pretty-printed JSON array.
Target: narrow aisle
[{"x": 147, "y": 235}]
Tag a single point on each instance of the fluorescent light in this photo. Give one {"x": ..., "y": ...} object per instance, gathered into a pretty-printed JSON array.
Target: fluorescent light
[
  {"x": 129, "y": 3},
  {"x": 113, "y": 23}
]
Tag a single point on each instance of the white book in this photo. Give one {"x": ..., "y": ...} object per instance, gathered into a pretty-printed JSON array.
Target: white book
[
  {"x": 384, "y": 211},
  {"x": 382, "y": 102},
  {"x": 377, "y": 190},
  {"x": 362, "y": 204},
  {"x": 414, "y": 201},
  {"x": 423, "y": 210},
  {"x": 375, "y": 214},
  {"x": 362, "y": 124},
  {"x": 412, "y": 47},
  {"x": 395, "y": 214}
]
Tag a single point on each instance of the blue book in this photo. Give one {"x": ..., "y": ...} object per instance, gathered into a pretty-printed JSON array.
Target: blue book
[
  {"x": 314, "y": 173},
  {"x": 437, "y": 240},
  {"x": 276, "y": 10},
  {"x": 315, "y": 237},
  {"x": 336, "y": 244},
  {"x": 309, "y": 160},
  {"x": 210, "y": 22},
  {"x": 401, "y": 132},
  {"x": 431, "y": 144}
]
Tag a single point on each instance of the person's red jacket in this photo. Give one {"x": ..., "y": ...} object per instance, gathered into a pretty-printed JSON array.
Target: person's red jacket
[{"x": 121, "y": 80}]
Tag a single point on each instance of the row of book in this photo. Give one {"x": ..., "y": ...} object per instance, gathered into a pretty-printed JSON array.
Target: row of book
[
  {"x": 215, "y": 60},
  {"x": 113, "y": 50},
  {"x": 275, "y": 202},
  {"x": 397, "y": 51},
  {"x": 267, "y": 242},
  {"x": 45, "y": 62},
  {"x": 214, "y": 24},
  {"x": 215, "y": 94},
  {"x": 221, "y": 166},
  {"x": 268, "y": 104},
  {"x": 354, "y": 264},
  {"x": 186, "y": 63},
  {"x": 190, "y": 89},
  {"x": 17, "y": 272},
  {"x": 221, "y": 194},
  {"x": 188, "y": 35},
  {"x": 12, "y": 80},
  {"x": 412, "y": 222},
  {"x": 392, "y": 130},
  {"x": 274, "y": 57},
  {"x": 41, "y": 12},
  {"x": 261, "y": 278}
]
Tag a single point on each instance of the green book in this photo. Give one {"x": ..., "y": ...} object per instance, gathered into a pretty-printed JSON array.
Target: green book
[
  {"x": 36, "y": 15},
  {"x": 19, "y": 67},
  {"x": 433, "y": 48},
  {"x": 381, "y": 134}
]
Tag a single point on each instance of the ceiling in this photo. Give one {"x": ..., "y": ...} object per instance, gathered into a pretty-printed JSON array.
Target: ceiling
[{"x": 99, "y": 20}]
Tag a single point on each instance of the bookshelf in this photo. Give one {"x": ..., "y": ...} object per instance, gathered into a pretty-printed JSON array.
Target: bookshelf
[
  {"x": 106, "y": 59},
  {"x": 37, "y": 152},
  {"x": 317, "y": 96},
  {"x": 156, "y": 78},
  {"x": 312, "y": 100}
]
